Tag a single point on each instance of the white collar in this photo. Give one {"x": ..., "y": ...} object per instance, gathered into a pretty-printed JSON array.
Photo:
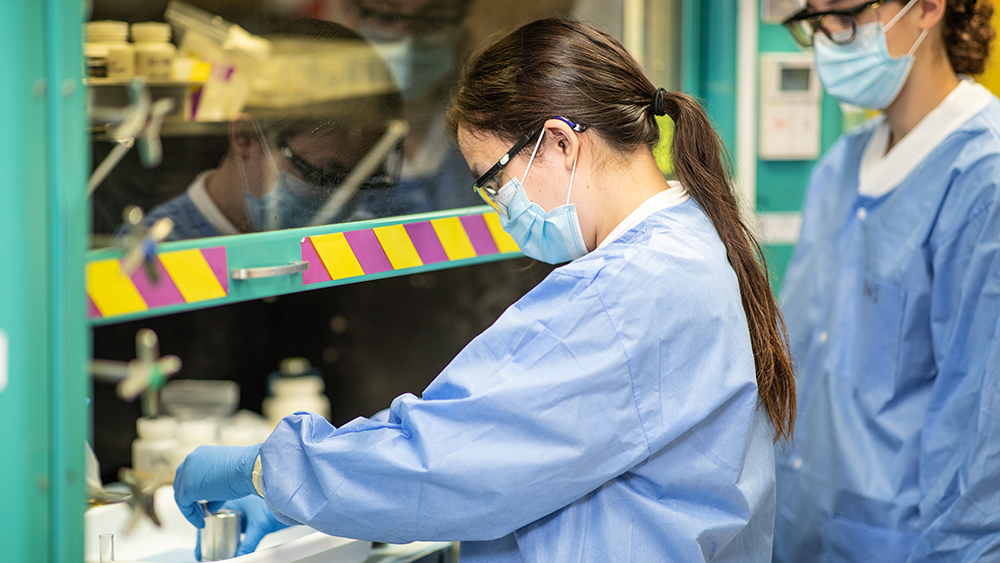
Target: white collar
[
  {"x": 881, "y": 172},
  {"x": 674, "y": 195},
  {"x": 201, "y": 200}
]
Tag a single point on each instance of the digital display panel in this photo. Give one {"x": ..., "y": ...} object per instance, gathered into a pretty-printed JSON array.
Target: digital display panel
[{"x": 795, "y": 79}]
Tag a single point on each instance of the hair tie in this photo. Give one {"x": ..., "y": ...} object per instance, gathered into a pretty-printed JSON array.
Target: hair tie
[{"x": 660, "y": 102}]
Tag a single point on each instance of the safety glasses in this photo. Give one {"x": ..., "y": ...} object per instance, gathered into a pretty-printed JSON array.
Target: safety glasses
[
  {"x": 331, "y": 176},
  {"x": 335, "y": 174},
  {"x": 488, "y": 185},
  {"x": 840, "y": 26}
]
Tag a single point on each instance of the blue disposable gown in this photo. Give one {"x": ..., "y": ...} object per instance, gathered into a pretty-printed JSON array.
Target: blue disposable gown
[
  {"x": 189, "y": 221},
  {"x": 892, "y": 304},
  {"x": 611, "y": 414}
]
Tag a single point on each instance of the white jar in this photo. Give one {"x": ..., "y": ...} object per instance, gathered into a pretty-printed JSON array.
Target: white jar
[
  {"x": 294, "y": 394},
  {"x": 153, "y": 450},
  {"x": 154, "y": 54},
  {"x": 239, "y": 435},
  {"x": 108, "y": 51},
  {"x": 191, "y": 434}
]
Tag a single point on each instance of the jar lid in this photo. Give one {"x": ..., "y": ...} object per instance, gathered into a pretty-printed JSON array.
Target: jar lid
[
  {"x": 297, "y": 385},
  {"x": 294, "y": 366},
  {"x": 159, "y": 428},
  {"x": 151, "y": 32},
  {"x": 107, "y": 29}
]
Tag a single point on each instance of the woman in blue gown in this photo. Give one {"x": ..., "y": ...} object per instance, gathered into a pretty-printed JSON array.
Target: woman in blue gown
[
  {"x": 893, "y": 297},
  {"x": 625, "y": 409}
]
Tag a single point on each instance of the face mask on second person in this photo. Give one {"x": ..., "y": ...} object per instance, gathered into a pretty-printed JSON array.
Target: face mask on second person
[
  {"x": 417, "y": 63},
  {"x": 862, "y": 72}
]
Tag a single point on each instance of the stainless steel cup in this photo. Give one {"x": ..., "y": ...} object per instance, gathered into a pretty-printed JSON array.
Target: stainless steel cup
[{"x": 221, "y": 536}]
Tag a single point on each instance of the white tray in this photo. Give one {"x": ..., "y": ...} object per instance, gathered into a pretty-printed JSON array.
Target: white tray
[{"x": 175, "y": 541}]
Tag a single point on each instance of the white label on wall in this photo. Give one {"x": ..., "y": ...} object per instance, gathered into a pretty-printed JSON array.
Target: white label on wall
[
  {"x": 774, "y": 11},
  {"x": 778, "y": 228},
  {"x": 4, "y": 357}
]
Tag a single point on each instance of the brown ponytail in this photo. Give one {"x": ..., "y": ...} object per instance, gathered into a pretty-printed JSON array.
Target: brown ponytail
[
  {"x": 559, "y": 67},
  {"x": 699, "y": 162},
  {"x": 968, "y": 34}
]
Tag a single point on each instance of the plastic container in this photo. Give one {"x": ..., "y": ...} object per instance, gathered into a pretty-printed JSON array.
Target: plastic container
[
  {"x": 234, "y": 55},
  {"x": 153, "y": 451},
  {"x": 303, "y": 71},
  {"x": 240, "y": 435},
  {"x": 245, "y": 428},
  {"x": 191, "y": 399},
  {"x": 107, "y": 52},
  {"x": 191, "y": 434},
  {"x": 296, "y": 387},
  {"x": 154, "y": 53}
]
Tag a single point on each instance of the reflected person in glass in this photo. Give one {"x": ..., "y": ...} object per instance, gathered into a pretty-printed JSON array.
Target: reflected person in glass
[
  {"x": 290, "y": 167},
  {"x": 421, "y": 41}
]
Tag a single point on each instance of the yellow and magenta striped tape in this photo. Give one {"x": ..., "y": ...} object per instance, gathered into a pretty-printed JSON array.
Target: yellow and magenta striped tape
[
  {"x": 353, "y": 254},
  {"x": 184, "y": 276},
  {"x": 191, "y": 276}
]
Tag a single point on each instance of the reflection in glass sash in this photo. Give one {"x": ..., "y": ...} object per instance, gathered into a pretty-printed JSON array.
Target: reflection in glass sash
[{"x": 291, "y": 164}]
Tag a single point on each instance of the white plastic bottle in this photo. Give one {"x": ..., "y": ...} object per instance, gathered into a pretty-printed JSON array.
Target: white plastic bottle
[
  {"x": 154, "y": 53},
  {"x": 296, "y": 389},
  {"x": 107, "y": 51},
  {"x": 239, "y": 435},
  {"x": 153, "y": 450},
  {"x": 191, "y": 434}
]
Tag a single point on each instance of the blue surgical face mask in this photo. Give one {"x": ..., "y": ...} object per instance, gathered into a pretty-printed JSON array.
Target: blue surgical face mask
[
  {"x": 417, "y": 63},
  {"x": 292, "y": 202},
  {"x": 255, "y": 210},
  {"x": 552, "y": 237},
  {"x": 862, "y": 72}
]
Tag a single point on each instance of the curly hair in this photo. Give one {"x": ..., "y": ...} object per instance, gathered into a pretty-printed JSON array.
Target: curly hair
[{"x": 968, "y": 34}]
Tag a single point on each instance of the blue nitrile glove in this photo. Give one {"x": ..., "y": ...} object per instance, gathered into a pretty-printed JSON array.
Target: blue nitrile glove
[
  {"x": 256, "y": 521},
  {"x": 215, "y": 474}
]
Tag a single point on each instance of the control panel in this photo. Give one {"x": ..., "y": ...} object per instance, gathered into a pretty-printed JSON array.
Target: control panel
[{"x": 790, "y": 97}]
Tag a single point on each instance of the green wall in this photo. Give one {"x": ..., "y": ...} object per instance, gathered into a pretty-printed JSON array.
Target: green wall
[
  {"x": 43, "y": 232},
  {"x": 781, "y": 185},
  {"x": 708, "y": 67}
]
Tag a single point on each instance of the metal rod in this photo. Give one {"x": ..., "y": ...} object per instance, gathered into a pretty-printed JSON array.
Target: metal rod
[{"x": 107, "y": 165}]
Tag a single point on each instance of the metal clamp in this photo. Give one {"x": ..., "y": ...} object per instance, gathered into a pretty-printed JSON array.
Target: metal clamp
[{"x": 269, "y": 271}]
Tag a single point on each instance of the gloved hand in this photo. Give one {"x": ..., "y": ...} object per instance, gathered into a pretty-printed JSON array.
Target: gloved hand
[
  {"x": 215, "y": 474},
  {"x": 256, "y": 521}
]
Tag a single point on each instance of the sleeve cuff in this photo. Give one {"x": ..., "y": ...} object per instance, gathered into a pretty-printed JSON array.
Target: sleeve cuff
[{"x": 258, "y": 477}]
